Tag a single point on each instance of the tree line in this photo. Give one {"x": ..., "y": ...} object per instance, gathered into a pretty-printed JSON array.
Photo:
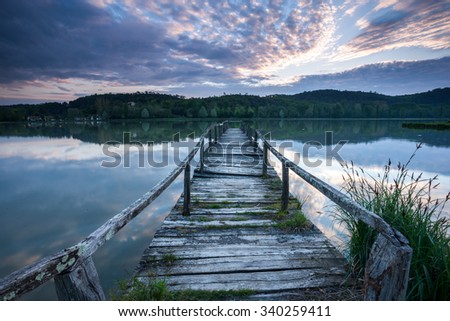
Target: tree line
[{"x": 312, "y": 104}]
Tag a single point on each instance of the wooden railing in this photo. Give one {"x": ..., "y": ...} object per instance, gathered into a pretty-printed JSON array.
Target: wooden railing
[
  {"x": 387, "y": 269},
  {"x": 73, "y": 269},
  {"x": 76, "y": 277}
]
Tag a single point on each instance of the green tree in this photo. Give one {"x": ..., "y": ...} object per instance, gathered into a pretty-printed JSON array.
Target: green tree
[
  {"x": 202, "y": 113},
  {"x": 145, "y": 113},
  {"x": 73, "y": 112}
]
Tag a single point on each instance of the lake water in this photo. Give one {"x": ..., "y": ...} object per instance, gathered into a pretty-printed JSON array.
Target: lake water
[{"x": 54, "y": 191}]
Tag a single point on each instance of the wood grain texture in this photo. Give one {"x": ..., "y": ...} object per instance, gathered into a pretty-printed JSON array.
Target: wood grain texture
[
  {"x": 82, "y": 284},
  {"x": 230, "y": 241}
]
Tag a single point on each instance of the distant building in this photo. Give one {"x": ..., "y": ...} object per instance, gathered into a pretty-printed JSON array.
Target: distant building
[
  {"x": 34, "y": 118},
  {"x": 49, "y": 119}
]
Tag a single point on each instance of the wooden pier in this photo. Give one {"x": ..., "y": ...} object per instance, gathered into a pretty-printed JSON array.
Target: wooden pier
[
  {"x": 235, "y": 227},
  {"x": 232, "y": 238}
]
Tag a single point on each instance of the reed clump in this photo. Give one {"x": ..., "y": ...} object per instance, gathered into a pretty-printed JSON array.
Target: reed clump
[{"x": 404, "y": 200}]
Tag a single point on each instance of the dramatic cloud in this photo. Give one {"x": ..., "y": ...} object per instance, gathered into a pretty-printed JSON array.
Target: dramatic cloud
[
  {"x": 171, "y": 41},
  {"x": 394, "y": 24},
  {"x": 51, "y": 49}
]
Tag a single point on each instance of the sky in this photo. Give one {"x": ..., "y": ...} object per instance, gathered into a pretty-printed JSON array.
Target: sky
[{"x": 59, "y": 50}]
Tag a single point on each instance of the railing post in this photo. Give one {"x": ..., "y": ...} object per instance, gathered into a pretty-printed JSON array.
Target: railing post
[
  {"x": 215, "y": 134},
  {"x": 285, "y": 187},
  {"x": 210, "y": 136},
  {"x": 202, "y": 156},
  {"x": 265, "y": 159},
  {"x": 187, "y": 188},
  {"x": 82, "y": 284},
  {"x": 255, "y": 143},
  {"x": 387, "y": 271}
]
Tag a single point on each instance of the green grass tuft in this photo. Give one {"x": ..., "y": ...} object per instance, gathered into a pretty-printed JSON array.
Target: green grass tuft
[
  {"x": 169, "y": 259},
  {"x": 158, "y": 290},
  {"x": 212, "y": 206},
  {"x": 155, "y": 290},
  {"x": 292, "y": 222}
]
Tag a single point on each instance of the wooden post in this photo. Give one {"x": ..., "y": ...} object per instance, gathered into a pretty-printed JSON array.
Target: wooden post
[
  {"x": 387, "y": 271},
  {"x": 210, "y": 136},
  {"x": 265, "y": 159},
  {"x": 255, "y": 143},
  {"x": 187, "y": 189},
  {"x": 215, "y": 134},
  {"x": 202, "y": 156},
  {"x": 285, "y": 187},
  {"x": 82, "y": 284}
]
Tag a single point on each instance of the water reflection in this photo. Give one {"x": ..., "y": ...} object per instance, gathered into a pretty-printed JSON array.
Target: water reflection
[
  {"x": 372, "y": 157},
  {"x": 53, "y": 191},
  {"x": 99, "y": 133},
  {"x": 356, "y": 131}
]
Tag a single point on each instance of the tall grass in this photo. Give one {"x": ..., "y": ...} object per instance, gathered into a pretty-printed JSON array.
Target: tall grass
[{"x": 404, "y": 200}]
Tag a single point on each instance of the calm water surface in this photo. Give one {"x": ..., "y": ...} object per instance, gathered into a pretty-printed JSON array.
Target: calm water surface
[
  {"x": 369, "y": 145},
  {"x": 53, "y": 191}
]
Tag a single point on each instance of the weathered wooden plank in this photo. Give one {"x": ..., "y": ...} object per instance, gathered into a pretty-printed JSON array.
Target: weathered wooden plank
[
  {"x": 218, "y": 224},
  {"x": 239, "y": 265},
  {"x": 212, "y": 175},
  {"x": 233, "y": 172},
  {"x": 260, "y": 262},
  {"x": 261, "y": 241},
  {"x": 242, "y": 231},
  {"x": 298, "y": 240},
  {"x": 224, "y": 211},
  {"x": 231, "y": 250},
  {"x": 217, "y": 162},
  {"x": 223, "y": 181},
  {"x": 231, "y": 202},
  {"x": 202, "y": 191},
  {"x": 223, "y": 218},
  {"x": 267, "y": 280},
  {"x": 233, "y": 193}
]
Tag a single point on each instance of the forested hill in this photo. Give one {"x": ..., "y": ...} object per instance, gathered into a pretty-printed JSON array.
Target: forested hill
[{"x": 319, "y": 103}]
